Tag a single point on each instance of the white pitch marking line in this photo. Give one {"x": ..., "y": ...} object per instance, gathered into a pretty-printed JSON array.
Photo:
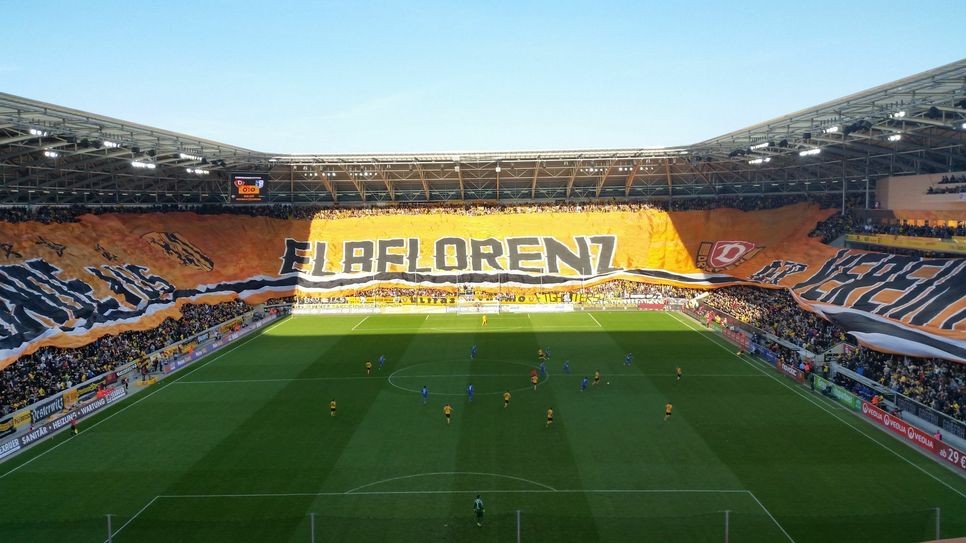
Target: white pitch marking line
[
  {"x": 595, "y": 320},
  {"x": 444, "y": 375},
  {"x": 418, "y": 492},
  {"x": 130, "y": 520},
  {"x": 767, "y": 512},
  {"x": 447, "y": 473},
  {"x": 364, "y": 319},
  {"x": 430, "y": 492},
  {"x": 159, "y": 389},
  {"x": 560, "y": 328},
  {"x": 820, "y": 406},
  {"x": 355, "y": 492}
]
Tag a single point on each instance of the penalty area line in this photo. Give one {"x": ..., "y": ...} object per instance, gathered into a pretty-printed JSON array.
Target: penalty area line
[
  {"x": 364, "y": 319},
  {"x": 357, "y": 492},
  {"x": 772, "y": 517}
]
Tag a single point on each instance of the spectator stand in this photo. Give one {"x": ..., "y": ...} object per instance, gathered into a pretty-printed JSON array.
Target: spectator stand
[
  {"x": 906, "y": 408},
  {"x": 722, "y": 320},
  {"x": 251, "y": 322}
]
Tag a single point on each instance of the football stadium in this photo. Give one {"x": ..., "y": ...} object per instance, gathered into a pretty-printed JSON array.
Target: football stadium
[{"x": 757, "y": 337}]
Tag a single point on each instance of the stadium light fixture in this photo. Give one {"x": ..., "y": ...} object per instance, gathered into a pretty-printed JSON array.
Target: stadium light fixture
[
  {"x": 963, "y": 126},
  {"x": 186, "y": 156},
  {"x": 897, "y": 114},
  {"x": 197, "y": 171},
  {"x": 895, "y": 137},
  {"x": 498, "y": 169},
  {"x": 759, "y": 146},
  {"x": 143, "y": 165},
  {"x": 810, "y": 152},
  {"x": 51, "y": 154},
  {"x": 39, "y": 133},
  {"x": 760, "y": 160},
  {"x": 831, "y": 130},
  {"x": 110, "y": 144}
]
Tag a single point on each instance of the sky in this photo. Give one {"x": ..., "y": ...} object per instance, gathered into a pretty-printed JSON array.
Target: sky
[{"x": 440, "y": 76}]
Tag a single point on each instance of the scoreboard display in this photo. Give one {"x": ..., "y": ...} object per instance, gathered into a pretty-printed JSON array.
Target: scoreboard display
[{"x": 248, "y": 189}]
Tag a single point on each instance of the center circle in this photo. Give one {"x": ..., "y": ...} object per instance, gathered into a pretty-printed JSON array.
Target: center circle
[{"x": 451, "y": 377}]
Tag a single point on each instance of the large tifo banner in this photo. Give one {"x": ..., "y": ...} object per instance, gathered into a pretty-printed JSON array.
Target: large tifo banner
[{"x": 64, "y": 284}]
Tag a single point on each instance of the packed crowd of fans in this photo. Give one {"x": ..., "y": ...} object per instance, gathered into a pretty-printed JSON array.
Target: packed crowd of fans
[
  {"x": 52, "y": 369},
  {"x": 615, "y": 289},
  {"x": 925, "y": 231},
  {"x": 626, "y": 289},
  {"x": 63, "y": 214},
  {"x": 932, "y": 382},
  {"x": 776, "y": 312},
  {"x": 753, "y": 203},
  {"x": 840, "y": 223}
]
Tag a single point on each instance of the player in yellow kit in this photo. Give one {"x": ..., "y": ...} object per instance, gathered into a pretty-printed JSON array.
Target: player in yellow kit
[
  {"x": 506, "y": 399},
  {"x": 368, "y": 367},
  {"x": 679, "y": 374},
  {"x": 596, "y": 377},
  {"x": 484, "y": 320},
  {"x": 667, "y": 411},
  {"x": 447, "y": 412},
  {"x": 533, "y": 381},
  {"x": 332, "y": 408},
  {"x": 549, "y": 417},
  {"x": 541, "y": 355}
]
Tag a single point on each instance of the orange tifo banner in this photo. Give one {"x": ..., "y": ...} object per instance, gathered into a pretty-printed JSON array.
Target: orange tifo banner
[{"x": 65, "y": 284}]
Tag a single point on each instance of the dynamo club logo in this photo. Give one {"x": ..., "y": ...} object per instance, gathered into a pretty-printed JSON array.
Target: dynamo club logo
[{"x": 717, "y": 256}]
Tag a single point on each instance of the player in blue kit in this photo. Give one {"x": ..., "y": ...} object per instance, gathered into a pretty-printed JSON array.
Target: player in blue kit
[
  {"x": 628, "y": 359},
  {"x": 382, "y": 361},
  {"x": 566, "y": 367},
  {"x": 473, "y": 352},
  {"x": 543, "y": 370},
  {"x": 583, "y": 384},
  {"x": 425, "y": 393},
  {"x": 469, "y": 391}
]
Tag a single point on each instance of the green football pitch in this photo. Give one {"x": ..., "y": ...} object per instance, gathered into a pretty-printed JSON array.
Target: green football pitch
[{"x": 241, "y": 445}]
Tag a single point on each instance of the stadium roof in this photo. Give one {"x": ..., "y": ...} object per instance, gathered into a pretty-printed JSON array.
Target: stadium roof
[{"x": 56, "y": 155}]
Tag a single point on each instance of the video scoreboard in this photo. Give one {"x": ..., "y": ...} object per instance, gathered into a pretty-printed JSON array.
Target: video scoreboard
[{"x": 248, "y": 189}]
